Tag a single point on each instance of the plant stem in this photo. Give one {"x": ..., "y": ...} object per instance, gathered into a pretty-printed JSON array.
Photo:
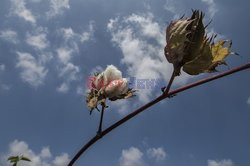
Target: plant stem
[
  {"x": 151, "y": 103},
  {"x": 101, "y": 119},
  {"x": 170, "y": 82}
]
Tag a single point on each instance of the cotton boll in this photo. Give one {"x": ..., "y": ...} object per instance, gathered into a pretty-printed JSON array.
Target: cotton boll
[
  {"x": 124, "y": 86},
  {"x": 108, "y": 84},
  {"x": 111, "y": 73},
  {"x": 116, "y": 88}
]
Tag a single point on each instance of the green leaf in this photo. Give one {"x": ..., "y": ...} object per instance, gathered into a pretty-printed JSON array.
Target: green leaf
[
  {"x": 25, "y": 159},
  {"x": 13, "y": 159}
]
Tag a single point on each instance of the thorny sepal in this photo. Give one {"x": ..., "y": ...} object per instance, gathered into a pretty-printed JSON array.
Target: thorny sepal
[{"x": 211, "y": 56}]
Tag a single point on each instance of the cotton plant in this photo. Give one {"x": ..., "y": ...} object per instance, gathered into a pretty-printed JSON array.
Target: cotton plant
[
  {"x": 188, "y": 48},
  {"x": 107, "y": 85}
]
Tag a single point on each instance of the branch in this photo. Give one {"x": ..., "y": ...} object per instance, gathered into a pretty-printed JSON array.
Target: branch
[{"x": 151, "y": 103}]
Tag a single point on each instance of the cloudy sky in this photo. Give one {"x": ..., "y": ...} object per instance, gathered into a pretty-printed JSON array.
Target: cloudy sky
[{"x": 48, "y": 49}]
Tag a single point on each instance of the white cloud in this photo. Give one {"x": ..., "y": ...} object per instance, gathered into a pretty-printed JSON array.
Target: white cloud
[
  {"x": 64, "y": 55},
  {"x": 45, "y": 153},
  {"x": 19, "y": 8},
  {"x": 158, "y": 154},
  {"x": 57, "y": 7},
  {"x": 68, "y": 33},
  {"x": 135, "y": 157},
  {"x": 61, "y": 160},
  {"x": 9, "y": 35},
  {"x": 35, "y": 1},
  {"x": 142, "y": 40},
  {"x": 80, "y": 90},
  {"x": 44, "y": 158},
  {"x": 178, "y": 9},
  {"x": 70, "y": 71},
  {"x": 63, "y": 88},
  {"x": 45, "y": 57},
  {"x": 174, "y": 7},
  {"x": 248, "y": 101},
  {"x": 2, "y": 67},
  {"x": 88, "y": 35},
  {"x": 73, "y": 38},
  {"x": 2, "y": 85},
  {"x": 149, "y": 28},
  {"x": 67, "y": 70},
  {"x": 212, "y": 8},
  {"x": 132, "y": 157},
  {"x": 121, "y": 106},
  {"x": 226, "y": 162},
  {"x": 32, "y": 71},
  {"x": 38, "y": 40},
  {"x": 170, "y": 6}
]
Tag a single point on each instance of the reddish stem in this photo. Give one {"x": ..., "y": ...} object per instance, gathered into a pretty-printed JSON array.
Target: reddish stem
[{"x": 151, "y": 103}]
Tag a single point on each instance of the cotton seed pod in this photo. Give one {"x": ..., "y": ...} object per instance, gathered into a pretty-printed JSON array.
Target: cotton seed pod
[{"x": 184, "y": 38}]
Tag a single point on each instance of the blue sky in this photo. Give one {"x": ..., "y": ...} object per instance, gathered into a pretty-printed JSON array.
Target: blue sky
[{"x": 49, "y": 48}]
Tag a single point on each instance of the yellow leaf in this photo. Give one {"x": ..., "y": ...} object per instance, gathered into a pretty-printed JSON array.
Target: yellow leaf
[{"x": 219, "y": 51}]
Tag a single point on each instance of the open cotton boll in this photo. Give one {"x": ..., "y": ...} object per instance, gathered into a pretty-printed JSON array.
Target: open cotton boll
[
  {"x": 111, "y": 73},
  {"x": 108, "y": 84},
  {"x": 116, "y": 88}
]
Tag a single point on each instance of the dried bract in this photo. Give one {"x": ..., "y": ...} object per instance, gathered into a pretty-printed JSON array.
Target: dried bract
[{"x": 189, "y": 47}]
